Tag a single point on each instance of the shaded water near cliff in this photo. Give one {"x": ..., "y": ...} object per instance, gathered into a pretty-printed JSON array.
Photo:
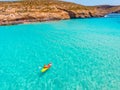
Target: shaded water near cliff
[
  {"x": 85, "y": 54},
  {"x": 113, "y": 15}
]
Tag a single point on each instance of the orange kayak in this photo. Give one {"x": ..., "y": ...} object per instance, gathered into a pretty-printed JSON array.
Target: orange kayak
[{"x": 45, "y": 68}]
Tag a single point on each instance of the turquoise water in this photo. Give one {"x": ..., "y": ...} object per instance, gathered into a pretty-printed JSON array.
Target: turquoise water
[{"x": 85, "y": 54}]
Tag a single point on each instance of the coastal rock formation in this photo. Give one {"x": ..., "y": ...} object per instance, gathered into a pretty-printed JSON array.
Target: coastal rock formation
[
  {"x": 109, "y": 9},
  {"x": 25, "y": 12}
]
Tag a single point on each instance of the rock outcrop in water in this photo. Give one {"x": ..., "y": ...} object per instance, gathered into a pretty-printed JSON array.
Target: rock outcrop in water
[{"x": 25, "y": 11}]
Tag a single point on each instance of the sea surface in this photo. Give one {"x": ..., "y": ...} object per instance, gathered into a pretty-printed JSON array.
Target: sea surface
[
  {"x": 85, "y": 55},
  {"x": 113, "y": 15}
]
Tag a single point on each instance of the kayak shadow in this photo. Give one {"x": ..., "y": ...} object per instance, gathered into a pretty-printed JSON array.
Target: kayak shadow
[{"x": 42, "y": 73}]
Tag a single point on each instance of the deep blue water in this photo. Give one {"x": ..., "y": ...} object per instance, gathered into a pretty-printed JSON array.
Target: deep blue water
[
  {"x": 113, "y": 15},
  {"x": 85, "y": 54}
]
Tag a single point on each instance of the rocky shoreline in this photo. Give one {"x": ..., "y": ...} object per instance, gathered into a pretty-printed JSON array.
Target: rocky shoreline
[{"x": 21, "y": 12}]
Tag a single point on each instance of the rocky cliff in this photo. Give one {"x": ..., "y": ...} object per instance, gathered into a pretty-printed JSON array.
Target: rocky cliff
[{"x": 25, "y": 12}]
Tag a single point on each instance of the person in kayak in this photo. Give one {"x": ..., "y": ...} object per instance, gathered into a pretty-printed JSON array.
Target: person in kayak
[{"x": 47, "y": 66}]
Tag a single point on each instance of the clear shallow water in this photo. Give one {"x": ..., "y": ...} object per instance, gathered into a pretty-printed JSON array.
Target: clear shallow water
[{"x": 85, "y": 54}]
